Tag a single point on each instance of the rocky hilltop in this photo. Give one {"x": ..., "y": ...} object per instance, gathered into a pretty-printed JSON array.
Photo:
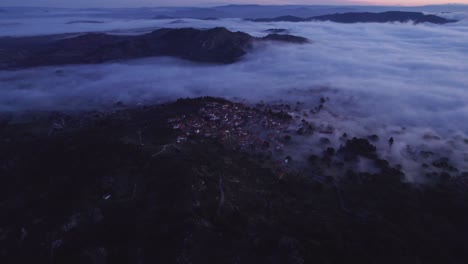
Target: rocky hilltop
[
  {"x": 217, "y": 45},
  {"x": 366, "y": 17},
  {"x": 210, "y": 181}
]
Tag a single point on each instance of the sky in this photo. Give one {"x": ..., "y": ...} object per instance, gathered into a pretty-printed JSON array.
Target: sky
[{"x": 139, "y": 3}]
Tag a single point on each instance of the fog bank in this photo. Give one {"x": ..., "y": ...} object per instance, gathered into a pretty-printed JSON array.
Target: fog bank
[{"x": 402, "y": 80}]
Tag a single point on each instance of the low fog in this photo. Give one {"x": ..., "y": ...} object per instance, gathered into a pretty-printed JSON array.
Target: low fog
[{"x": 402, "y": 80}]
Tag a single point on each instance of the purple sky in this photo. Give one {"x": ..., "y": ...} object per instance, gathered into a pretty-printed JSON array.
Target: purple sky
[{"x": 138, "y": 3}]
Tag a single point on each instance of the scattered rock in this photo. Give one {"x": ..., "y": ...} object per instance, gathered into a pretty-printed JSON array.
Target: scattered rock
[
  {"x": 330, "y": 151},
  {"x": 426, "y": 154},
  {"x": 313, "y": 158},
  {"x": 443, "y": 163},
  {"x": 373, "y": 138},
  {"x": 359, "y": 147},
  {"x": 324, "y": 141}
]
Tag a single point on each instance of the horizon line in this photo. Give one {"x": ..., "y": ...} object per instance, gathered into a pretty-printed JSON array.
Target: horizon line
[{"x": 214, "y": 6}]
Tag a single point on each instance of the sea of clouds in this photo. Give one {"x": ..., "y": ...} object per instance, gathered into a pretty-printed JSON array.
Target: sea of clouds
[{"x": 397, "y": 80}]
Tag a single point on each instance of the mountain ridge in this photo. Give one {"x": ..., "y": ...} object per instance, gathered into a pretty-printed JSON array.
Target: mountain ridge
[
  {"x": 216, "y": 45},
  {"x": 365, "y": 17}
]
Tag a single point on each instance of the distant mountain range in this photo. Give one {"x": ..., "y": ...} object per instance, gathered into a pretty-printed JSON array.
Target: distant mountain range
[
  {"x": 365, "y": 17},
  {"x": 227, "y": 11},
  {"x": 217, "y": 45},
  {"x": 302, "y": 11}
]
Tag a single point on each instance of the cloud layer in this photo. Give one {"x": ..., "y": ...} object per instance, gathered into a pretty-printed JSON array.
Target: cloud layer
[{"x": 402, "y": 80}]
